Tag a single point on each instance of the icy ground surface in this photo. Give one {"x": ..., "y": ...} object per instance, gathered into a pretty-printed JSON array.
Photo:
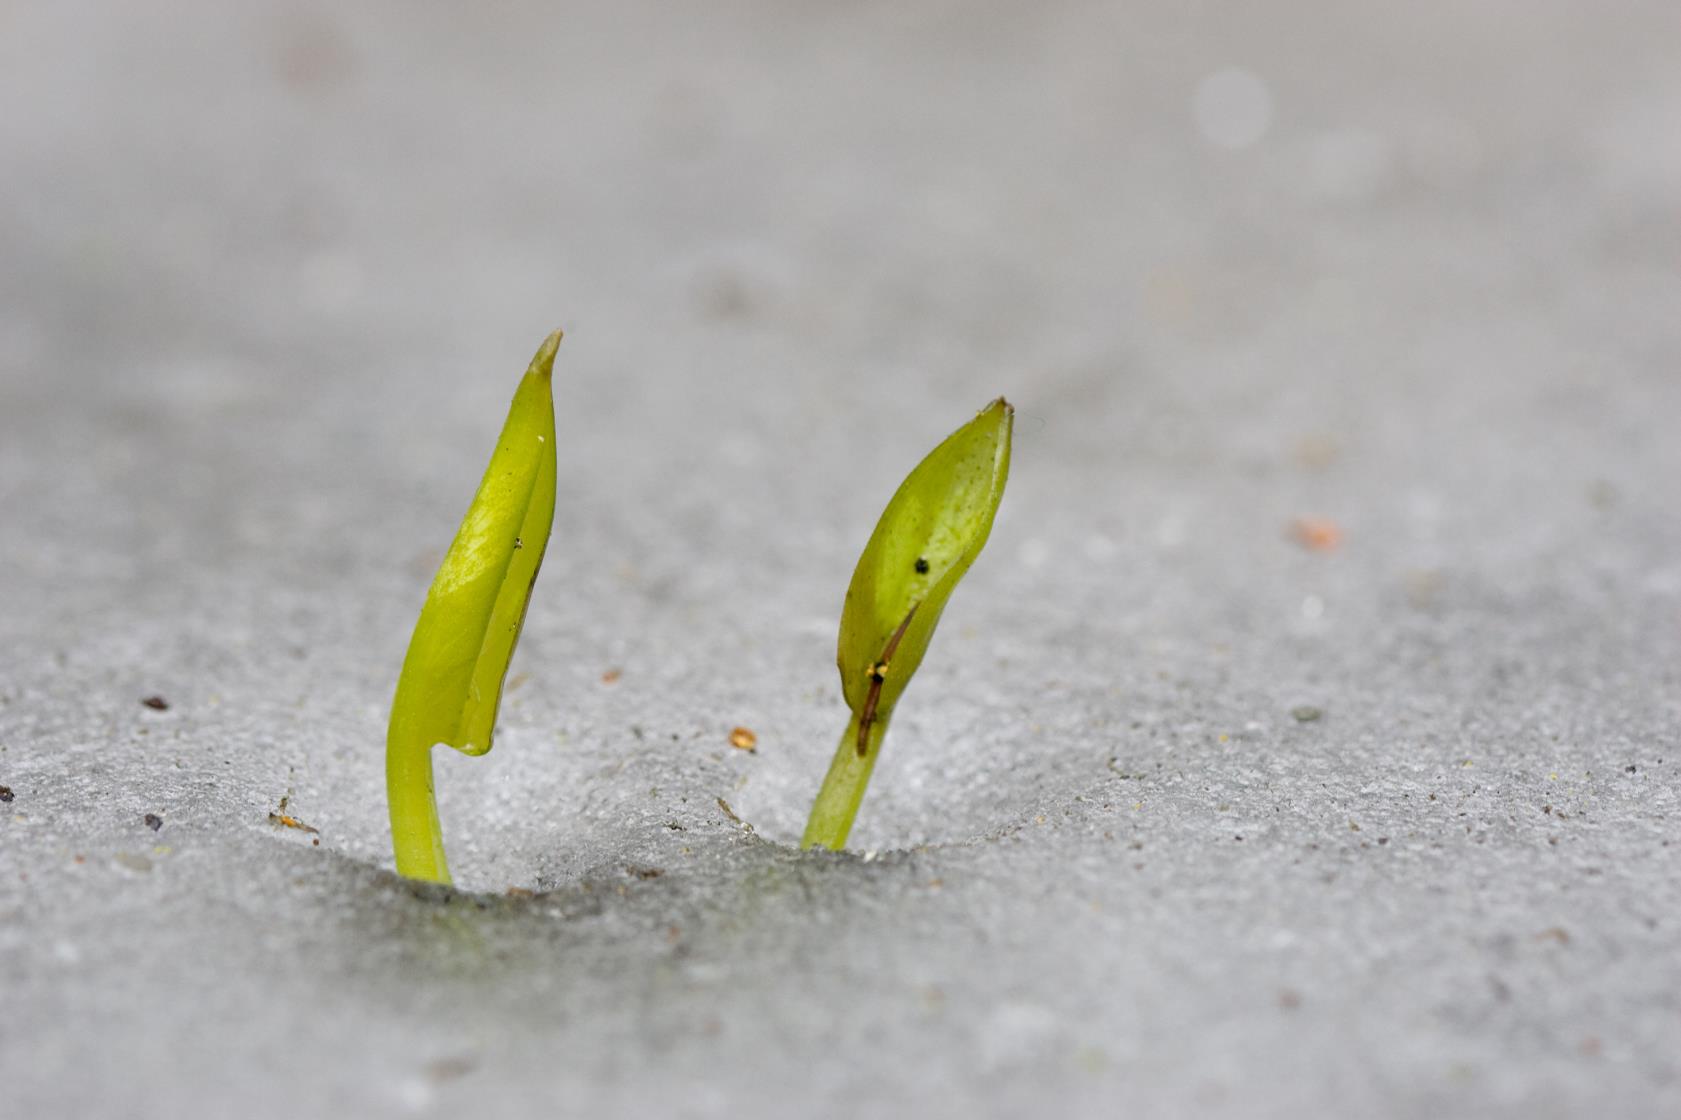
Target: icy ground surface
[{"x": 1182, "y": 817}]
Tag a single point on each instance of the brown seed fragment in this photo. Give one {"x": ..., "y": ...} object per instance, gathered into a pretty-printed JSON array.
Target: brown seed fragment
[
  {"x": 1316, "y": 534},
  {"x": 290, "y": 822},
  {"x": 744, "y": 740},
  {"x": 156, "y": 703}
]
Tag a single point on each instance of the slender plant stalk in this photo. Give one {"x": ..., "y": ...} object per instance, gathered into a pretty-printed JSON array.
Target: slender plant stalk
[
  {"x": 451, "y": 684},
  {"x": 928, "y": 536},
  {"x": 417, "y": 839},
  {"x": 843, "y": 788}
]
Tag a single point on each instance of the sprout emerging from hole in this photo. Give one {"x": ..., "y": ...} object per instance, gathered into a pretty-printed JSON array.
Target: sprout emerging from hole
[
  {"x": 451, "y": 683},
  {"x": 926, "y": 539}
]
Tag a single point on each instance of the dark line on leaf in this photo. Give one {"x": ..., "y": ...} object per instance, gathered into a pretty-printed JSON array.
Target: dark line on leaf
[{"x": 878, "y": 674}]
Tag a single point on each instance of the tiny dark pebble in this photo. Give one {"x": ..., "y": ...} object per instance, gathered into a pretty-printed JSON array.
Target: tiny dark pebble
[
  {"x": 153, "y": 821},
  {"x": 1631, "y": 768},
  {"x": 156, "y": 703},
  {"x": 451, "y": 1068},
  {"x": 5, "y": 793},
  {"x": 1306, "y": 713}
]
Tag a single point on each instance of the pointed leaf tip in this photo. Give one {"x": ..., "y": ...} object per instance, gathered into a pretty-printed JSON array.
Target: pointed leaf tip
[{"x": 543, "y": 364}]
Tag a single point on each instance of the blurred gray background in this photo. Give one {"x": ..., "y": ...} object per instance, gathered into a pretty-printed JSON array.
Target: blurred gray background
[{"x": 1196, "y": 808}]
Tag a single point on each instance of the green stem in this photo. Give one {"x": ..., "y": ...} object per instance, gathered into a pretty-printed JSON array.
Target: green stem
[
  {"x": 843, "y": 788},
  {"x": 416, "y": 838}
]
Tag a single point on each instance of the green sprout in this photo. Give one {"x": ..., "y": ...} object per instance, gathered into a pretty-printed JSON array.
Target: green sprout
[
  {"x": 451, "y": 683},
  {"x": 926, "y": 539}
]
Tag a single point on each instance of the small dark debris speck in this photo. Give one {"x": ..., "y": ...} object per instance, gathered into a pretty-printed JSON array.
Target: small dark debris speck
[
  {"x": 1631, "y": 768},
  {"x": 451, "y": 1068},
  {"x": 153, "y": 821},
  {"x": 156, "y": 703},
  {"x": 921, "y": 565},
  {"x": 646, "y": 872},
  {"x": 6, "y": 793}
]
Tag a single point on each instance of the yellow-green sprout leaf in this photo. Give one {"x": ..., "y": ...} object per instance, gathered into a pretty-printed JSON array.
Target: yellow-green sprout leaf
[
  {"x": 926, "y": 539},
  {"x": 451, "y": 683}
]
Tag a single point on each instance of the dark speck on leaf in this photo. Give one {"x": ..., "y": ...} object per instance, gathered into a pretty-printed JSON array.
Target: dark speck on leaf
[
  {"x": 156, "y": 703},
  {"x": 921, "y": 565},
  {"x": 153, "y": 821}
]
